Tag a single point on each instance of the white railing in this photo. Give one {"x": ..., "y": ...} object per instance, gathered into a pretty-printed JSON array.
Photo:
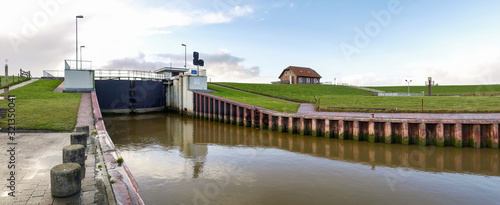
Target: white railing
[
  {"x": 53, "y": 73},
  {"x": 82, "y": 64},
  {"x": 127, "y": 75}
]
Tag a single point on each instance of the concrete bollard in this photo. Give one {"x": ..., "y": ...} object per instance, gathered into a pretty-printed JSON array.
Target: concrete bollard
[
  {"x": 79, "y": 138},
  {"x": 65, "y": 179},
  {"x": 83, "y": 128},
  {"x": 74, "y": 154}
]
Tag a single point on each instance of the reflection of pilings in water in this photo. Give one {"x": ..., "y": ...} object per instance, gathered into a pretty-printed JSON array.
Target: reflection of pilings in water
[
  {"x": 458, "y": 133},
  {"x": 430, "y": 159}
]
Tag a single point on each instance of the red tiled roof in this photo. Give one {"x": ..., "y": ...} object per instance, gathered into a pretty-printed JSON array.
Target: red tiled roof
[{"x": 302, "y": 72}]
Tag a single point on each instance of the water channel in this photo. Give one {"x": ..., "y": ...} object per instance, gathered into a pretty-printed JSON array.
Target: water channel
[{"x": 181, "y": 160}]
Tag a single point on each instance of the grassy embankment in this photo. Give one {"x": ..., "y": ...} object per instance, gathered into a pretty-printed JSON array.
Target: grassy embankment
[
  {"x": 13, "y": 80},
  {"x": 339, "y": 96},
  {"x": 264, "y": 102},
  {"x": 38, "y": 108},
  {"x": 464, "y": 90}
]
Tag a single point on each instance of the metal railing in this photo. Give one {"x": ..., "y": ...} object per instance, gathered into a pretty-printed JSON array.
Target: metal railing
[
  {"x": 53, "y": 73},
  {"x": 127, "y": 75},
  {"x": 82, "y": 64}
]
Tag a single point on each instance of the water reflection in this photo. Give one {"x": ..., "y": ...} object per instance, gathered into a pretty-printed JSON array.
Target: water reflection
[
  {"x": 424, "y": 158},
  {"x": 195, "y": 161}
]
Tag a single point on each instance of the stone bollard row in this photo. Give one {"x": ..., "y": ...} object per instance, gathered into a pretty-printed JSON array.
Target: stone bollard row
[{"x": 65, "y": 179}]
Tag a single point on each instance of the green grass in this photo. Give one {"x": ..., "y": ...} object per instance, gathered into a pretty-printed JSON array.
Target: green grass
[
  {"x": 446, "y": 89},
  {"x": 13, "y": 80},
  {"x": 255, "y": 100},
  {"x": 339, "y": 96},
  {"x": 38, "y": 108},
  {"x": 298, "y": 91}
]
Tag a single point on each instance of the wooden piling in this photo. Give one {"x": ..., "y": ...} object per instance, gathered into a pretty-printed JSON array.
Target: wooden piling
[
  {"x": 494, "y": 136},
  {"x": 476, "y": 136},
  {"x": 422, "y": 134},
  {"x": 440, "y": 135},
  {"x": 458, "y": 135},
  {"x": 327, "y": 128},
  {"x": 314, "y": 129},
  {"x": 388, "y": 134},
  {"x": 371, "y": 131},
  {"x": 355, "y": 130}
]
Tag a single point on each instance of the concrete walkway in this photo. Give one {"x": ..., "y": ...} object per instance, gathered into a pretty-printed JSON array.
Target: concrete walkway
[
  {"x": 20, "y": 85},
  {"x": 37, "y": 153}
]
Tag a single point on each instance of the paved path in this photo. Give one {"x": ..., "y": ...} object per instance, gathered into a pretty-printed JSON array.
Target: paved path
[
  {"x": 37, "y": 153},
  {"x": 20, "y": 84}
]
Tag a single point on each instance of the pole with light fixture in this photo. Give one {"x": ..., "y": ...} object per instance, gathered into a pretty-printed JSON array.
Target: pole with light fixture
[
  {"x": 77, "y": 17},
  {"x": 185, "y": 56},
  {"x": 81, "y": 59},
  {"x": 408, "y": 86}
]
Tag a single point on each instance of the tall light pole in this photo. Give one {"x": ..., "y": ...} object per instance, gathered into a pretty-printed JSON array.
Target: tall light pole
[
  {"x": 77, "y": 17},
  {"x": 408, "y": 86},
  {"x": 185, "y": 55},
  {"x": 81, "y": 59}
]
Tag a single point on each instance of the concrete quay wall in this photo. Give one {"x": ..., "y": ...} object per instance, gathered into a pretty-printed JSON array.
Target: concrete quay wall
[
  {"x": 125, "y": 189},
  {"x": 474, "y": 133}
]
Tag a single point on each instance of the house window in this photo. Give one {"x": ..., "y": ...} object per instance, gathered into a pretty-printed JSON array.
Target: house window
[
  {"x": 315, "y": 81},
  {"x": 300, "y": 80},
  {"x": 308, "y": 80}
]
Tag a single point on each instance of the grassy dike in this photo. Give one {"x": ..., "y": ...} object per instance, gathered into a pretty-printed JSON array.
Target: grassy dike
[
  {"x": 340, "y": 96},
  {"x": 38, "y": 108},
  {"x": 264, "y": 102},
  {"x": 465, "y": 90},
  {"x": 13, "y": 80}
]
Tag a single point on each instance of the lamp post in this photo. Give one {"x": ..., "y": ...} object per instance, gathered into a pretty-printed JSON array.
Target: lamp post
[
  {"x": 408, "y": 86},
  {"x": 77, "y": 17},
  {"x": 81, "y": 59},
  {"x": 185, "y": 55}
]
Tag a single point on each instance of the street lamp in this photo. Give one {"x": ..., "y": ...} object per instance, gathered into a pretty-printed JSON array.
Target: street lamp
[
  {"x": 77, "y": 17},
  {"x": 81, "y": 59},
  {"x": 408, "y": 86},
  {"x": 185, "y": 55}
]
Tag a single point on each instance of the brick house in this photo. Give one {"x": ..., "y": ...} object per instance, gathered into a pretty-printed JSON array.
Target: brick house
[{"x": 299, "y": 75}]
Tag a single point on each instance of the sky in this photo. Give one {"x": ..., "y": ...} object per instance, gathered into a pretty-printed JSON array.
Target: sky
[{"x": 359, "y": 42}]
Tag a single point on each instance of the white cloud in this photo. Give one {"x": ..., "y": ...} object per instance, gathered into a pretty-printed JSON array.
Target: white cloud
[
  {"x": 469, "y": 66},
  {"x": 110, "y": 29},
  {"x": 221, "y": 66}
]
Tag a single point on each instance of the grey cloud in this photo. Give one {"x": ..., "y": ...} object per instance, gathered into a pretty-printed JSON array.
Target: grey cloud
[
  {"x": 228, "y": 67},
  {"x": 223, "y": 66},
  {"x": 138, "y": 62},
  {"x": 45, "y": 49}
]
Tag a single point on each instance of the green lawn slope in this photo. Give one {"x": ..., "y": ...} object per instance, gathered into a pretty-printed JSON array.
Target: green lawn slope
[
  {"x": 38, "y": 108},
  {"x": 264, "y": 102},
  {"x": 446, "y": 89},
  {"x": 325, "y": 96}
]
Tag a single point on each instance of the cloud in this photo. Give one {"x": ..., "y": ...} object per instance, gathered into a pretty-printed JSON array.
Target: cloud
[
  {"x": 221, "y": 66},
  {"x": 110, "y": 29},
  {"x": 471, "y": 66},
  {"x": 138, "y": 62}
]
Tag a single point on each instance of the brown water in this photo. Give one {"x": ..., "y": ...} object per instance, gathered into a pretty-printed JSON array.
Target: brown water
[{"x": 180, "y": 160}]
